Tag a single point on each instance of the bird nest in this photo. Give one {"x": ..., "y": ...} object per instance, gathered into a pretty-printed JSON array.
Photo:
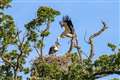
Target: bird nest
[{"x": 63, "y": 61}]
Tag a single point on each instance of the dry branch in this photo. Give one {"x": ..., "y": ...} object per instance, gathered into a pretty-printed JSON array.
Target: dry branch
[{"x": 91, "y": 40}]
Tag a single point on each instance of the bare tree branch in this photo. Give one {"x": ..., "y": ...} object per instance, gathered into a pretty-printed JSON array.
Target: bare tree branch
[
  {"x": 47, "y": 29},
  {"x": 91, "y": 40},
  {"x": 85, "y": 38},
  {"x": 37, "y": 50},
  {"x": 103, "y": 73}
]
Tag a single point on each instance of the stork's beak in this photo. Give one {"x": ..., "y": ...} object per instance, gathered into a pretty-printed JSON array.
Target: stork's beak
[{"x": 57, "y": 43}]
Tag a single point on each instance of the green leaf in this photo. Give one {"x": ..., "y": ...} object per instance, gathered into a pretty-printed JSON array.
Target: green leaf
[
  {"x": 26, "y": 70},
  {"x": 112, "y": 46},
  {"x": 22, "y": 61},
  {"x": 26, "y": 48},
  {"x": 32, "y": 35},
  {"x": 45, "y": 33},
  {"x": 40, "y": 44},
  {"x": 14, "y": 53}
]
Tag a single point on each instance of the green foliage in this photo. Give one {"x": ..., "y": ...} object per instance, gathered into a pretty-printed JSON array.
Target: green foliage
[
  {"x": 32, "y": 35},
  {"x": 4, "y": 3},
  {"x": 7, "y": 30},
  {"x": 45, "y": 33},
  {"x": 26, "y": 47},
  {"x": 74, "y": 58},
  {"x": 5, "y": 72},
  {"x": 106, "y": 62},
  {"x": 112, "y": 46},
  {"x": 46, "y": 13},
  {"x": 51, "y": 71},
  {"x": 40, "y": 44},
  {"x": 26, "y": 70},
  {"x": 48, "y": 71},
  {"x": 75, "y": 72}
]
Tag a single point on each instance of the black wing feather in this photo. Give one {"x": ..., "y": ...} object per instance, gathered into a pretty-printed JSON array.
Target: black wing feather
[{"x": 69, "y": 23}]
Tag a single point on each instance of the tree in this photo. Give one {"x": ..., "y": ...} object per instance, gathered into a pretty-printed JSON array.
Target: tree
[
  {"x": 65, "y": 67},
  {"x": 45, "y": 15},
  {"x": 14, "y": 59}
]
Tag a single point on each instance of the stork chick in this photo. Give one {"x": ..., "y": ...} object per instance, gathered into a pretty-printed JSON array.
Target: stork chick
[{"x": 53, "y": 49}]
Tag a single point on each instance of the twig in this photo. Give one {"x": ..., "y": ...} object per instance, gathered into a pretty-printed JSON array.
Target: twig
[
  {"x": 41, "y": 49},
  {"x": 37, "y": 50},
  {"x": 85, "y": 38}
]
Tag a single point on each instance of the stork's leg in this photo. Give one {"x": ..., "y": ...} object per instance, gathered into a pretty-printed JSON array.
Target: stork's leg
[
  {"x": 79, "y": 51},
  {"x": 71, "y": 46}
]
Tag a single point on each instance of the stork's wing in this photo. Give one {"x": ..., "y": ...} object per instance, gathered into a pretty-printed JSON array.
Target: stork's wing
[{"x": 70, "y": 25}]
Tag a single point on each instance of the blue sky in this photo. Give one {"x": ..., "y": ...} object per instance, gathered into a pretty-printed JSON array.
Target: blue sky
[{"x": 86, "y": 16}]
